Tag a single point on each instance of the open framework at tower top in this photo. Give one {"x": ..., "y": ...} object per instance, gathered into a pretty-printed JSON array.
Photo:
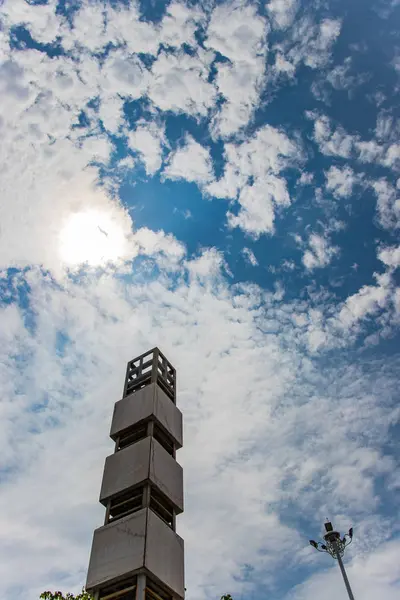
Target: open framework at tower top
[{"x": 137, "y": 554}]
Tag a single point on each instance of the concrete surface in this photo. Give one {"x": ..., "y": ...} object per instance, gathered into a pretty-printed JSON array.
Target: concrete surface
[
  {"x": 144, "y": 403},
  {"x": 119, "y": 550},
  {"x": 143, "y": 460},
  {"x": 165, "y": 554}
]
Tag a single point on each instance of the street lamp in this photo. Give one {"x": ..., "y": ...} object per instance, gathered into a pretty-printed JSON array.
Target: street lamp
[{"x": 335, "y": 545}]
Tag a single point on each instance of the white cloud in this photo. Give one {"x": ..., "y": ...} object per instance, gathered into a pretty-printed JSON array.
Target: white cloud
[
  {"x": 97, "y": 147},
  {"x": 319, "y": 253},
  {"x": 369, "y": 300},
  {"x": 16, "y": 93},
  {"x": 392, "y": 157},
  {"x": 345, "y": 77},
  {"x": 250, "y": 257},
  {"x": 40, "y": 19},
  {"x": 288, "y": 265},
  {"x": 179, "y": 83},
  {"x": 95, "y": 26},
  {"x": 339, "y": 77},
  {"x": 179, "y": 25},
  {"x": 282, "y": 12},
  {"x": 88, "y": 30},
  {"x": 387, "y": 127},
  {"x": 306, "y": 178},
  {"x": 311, "y": 43},
  {"x": 126, "y": 163},
  {"x": 236, "y": 32},
  {"x": 208, "y": 267},
  {"x": 191, "y": 162},
  {"x": 396, "y": 303},
  {"x": 368, "y": 151},
  {"x": 153, "y": 243},
  {"x": 337, "y": 143},
  {"x": 390, "y": 256},
  {"x": 373, "y": 309},
  {"x": 148, "y": 140},
  {"x": 58, "y": 188},
  {"x": 124, "y": 73},
  {"x": 251, "y": 175},
  {"x": 341, "y": 181},
  {"x": 239, "y": 34},
  {"x": 396, "y": 63},
  {"x": 110, "y": 112},
  {"x": 268, "y": 151},
  {"x": 320, "y": 47},
  {"x": 283, "y": 66},
  {"x": 240, "y": 85},
  {"x": 124, "y": 26},
  {"x": 258, "y": 203},
  {"x": 41, "y": 102},
  {"x": 388, "y": 204}
]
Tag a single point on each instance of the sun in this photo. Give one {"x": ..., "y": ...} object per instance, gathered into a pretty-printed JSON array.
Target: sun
[{"x": 92, "y": 237}]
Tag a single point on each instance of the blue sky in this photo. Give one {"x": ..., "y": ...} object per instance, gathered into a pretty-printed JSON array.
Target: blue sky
[{"x": 219, "y": 179}]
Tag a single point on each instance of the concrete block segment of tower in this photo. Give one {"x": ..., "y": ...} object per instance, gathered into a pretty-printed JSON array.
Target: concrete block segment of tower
[{"x": 136, "y": 554}]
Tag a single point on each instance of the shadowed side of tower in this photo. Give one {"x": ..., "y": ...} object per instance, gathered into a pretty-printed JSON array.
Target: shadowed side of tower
[{"x": 136, "y": 554}]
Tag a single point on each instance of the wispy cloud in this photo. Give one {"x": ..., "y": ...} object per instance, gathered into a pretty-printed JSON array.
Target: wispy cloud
[
  {"x": 319, "y": 253},
  {"x": 250, "y": 257},
  {"x": 340, "y": 182}
]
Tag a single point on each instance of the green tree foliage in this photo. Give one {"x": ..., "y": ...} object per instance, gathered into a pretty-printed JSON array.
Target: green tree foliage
[
  {"x": 85, "y": 596},
  {"x": 60, "y": 596}
]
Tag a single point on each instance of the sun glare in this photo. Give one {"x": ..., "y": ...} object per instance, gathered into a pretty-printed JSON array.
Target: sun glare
[{"x": 93, "y": 238}]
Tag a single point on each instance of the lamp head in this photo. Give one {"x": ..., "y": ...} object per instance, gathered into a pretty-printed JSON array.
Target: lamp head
[{"x": 328, "y": 527}]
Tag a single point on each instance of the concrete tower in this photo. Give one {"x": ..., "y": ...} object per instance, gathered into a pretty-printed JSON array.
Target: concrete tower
[{"x": 136, "y": 554}]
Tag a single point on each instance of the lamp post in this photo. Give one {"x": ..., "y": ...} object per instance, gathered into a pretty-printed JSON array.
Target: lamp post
[{"x": 335, "y": 546}]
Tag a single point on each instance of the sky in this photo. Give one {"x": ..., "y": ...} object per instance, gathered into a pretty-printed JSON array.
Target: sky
[{"x": 220, "y": 180}]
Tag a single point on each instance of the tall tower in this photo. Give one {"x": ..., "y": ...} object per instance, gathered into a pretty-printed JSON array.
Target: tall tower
[{"x": 136, "y": 554}]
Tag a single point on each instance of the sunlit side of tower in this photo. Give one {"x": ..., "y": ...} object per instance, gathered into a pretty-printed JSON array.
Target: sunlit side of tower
[{"x": 136, "y": 554}]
